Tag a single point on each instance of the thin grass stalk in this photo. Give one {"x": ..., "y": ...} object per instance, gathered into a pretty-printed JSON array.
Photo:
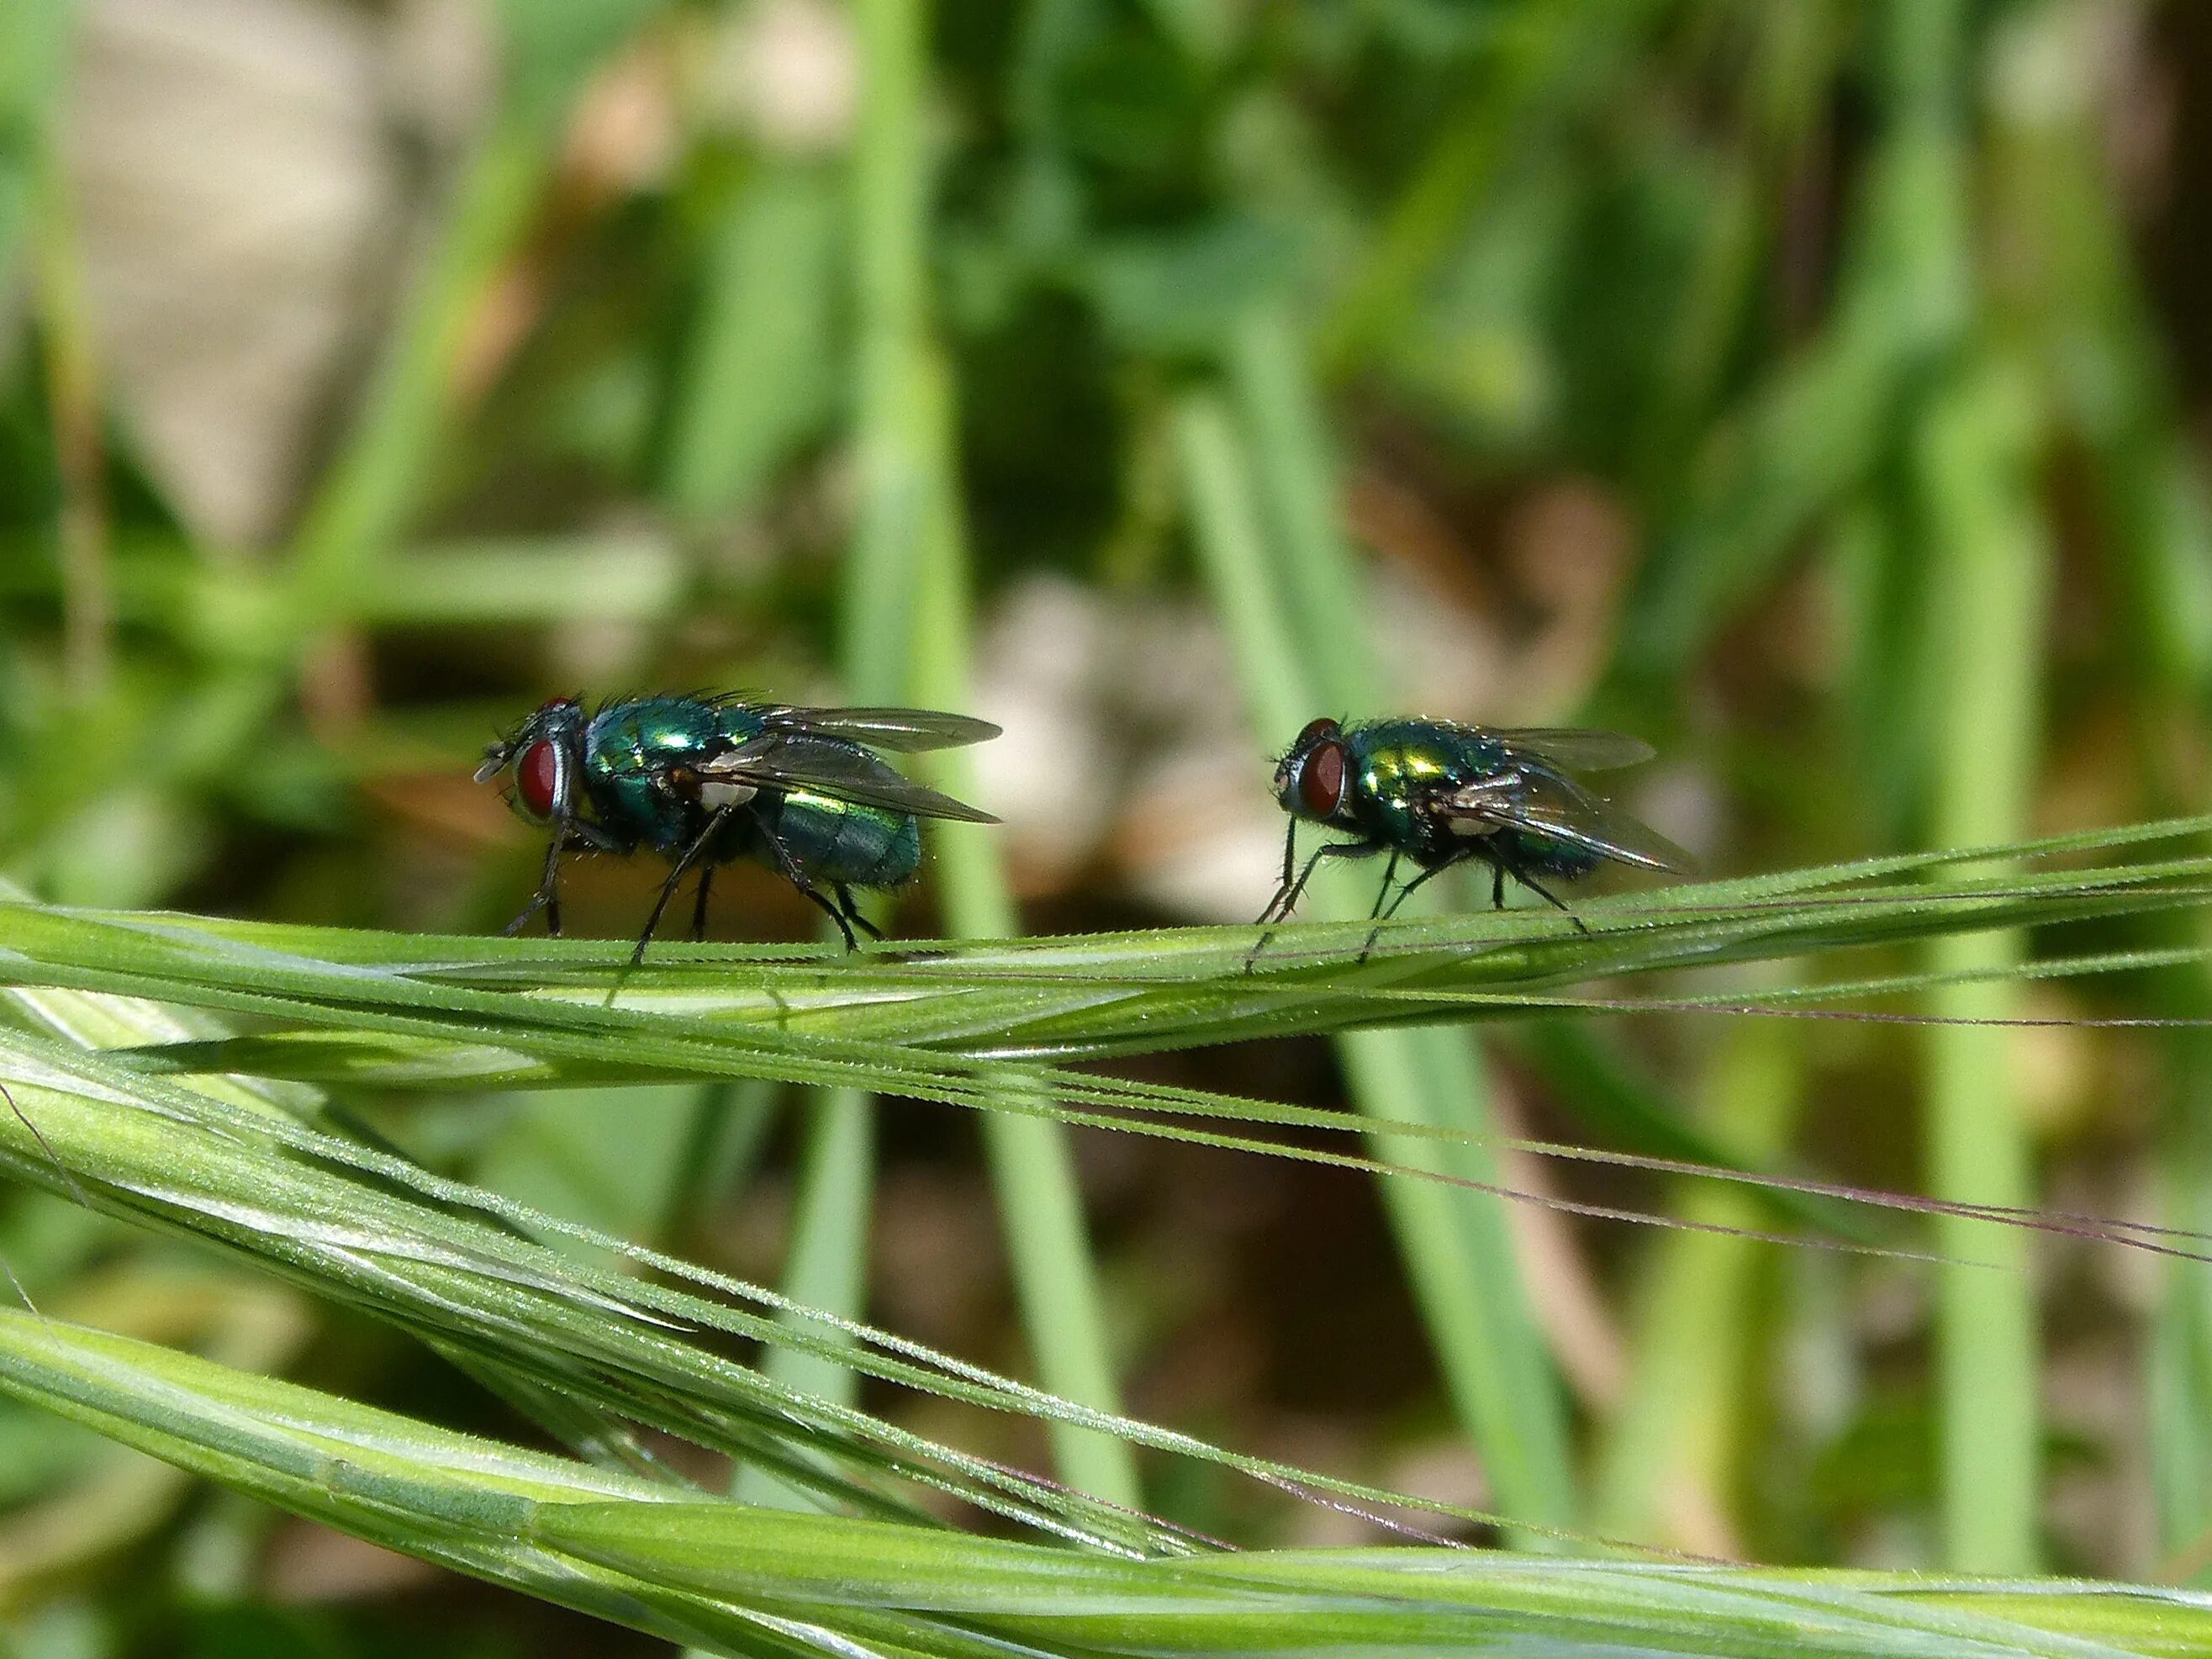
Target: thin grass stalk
[
  {"x": 2096, "y": 332},
  {"x": 1032, "y": 1165},
  {"x": 827, "y": 1261},
  {"x": 827, "y": 1264},
  {"x": 76, "y": 421},
  {"x": 907, "y": 630},
  {"x": 362, "y": 504},
  {"x": 1668, "y": 1467},
  {"x": 34, "y": 53},
  {"x": 1459, "y": 1255},
  {"x": 1991, "y": 555},
  {"x": 2179, "y": 1384}
]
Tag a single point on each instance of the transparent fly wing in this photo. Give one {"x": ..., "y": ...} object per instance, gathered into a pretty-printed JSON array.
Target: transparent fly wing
[
  {"x": 1573, "y": 750},
  {"x": 1543, "y": 803},
  {"x": 904, "y": 729},
  {"x": 836, "y": 769}
]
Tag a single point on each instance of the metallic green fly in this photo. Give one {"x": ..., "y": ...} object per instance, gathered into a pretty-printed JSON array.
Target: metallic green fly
[
  {"x": 1439, "y": 794},
  {"x": 703, "y": 779}
]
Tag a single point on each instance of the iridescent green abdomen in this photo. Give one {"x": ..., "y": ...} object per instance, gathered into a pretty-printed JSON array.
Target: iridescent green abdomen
[{"x": 842, "y": 840}]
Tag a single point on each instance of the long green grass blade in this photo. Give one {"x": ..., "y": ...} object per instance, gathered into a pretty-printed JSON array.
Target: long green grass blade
[
  {"x": 34, "y": 39},
  {"x": 907, "y": 640},
  {"x": 1032, "y": 1166},
  {"x": 745, "y": 1580},
  {"x": 1458, "y": 1254},
  {"x": 1673, "y": 1453},
  {"x": 757, "y": 379},
  {"x": 1991, "y": 587}
]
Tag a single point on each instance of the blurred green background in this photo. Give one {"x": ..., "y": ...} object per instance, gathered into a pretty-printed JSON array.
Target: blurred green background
[{"x": 1812, "y": 389}]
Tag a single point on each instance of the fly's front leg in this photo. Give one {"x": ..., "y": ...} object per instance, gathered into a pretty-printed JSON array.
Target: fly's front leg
[
  {"x": 547, "y": 895},
  {"x": 1334, "y": 849},
  {"x": 1286, "y": 891},
  {"x": 568, "y": 837},
  {"x": 1389, "y": 875}
]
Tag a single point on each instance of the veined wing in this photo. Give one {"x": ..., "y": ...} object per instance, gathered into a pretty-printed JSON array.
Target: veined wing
[
  {"x": 1556, "y": 808},
  {"x": 904, "y": 729},
  {"x": 777, "y": 761},
  {"x": 1572, "y": 749}
]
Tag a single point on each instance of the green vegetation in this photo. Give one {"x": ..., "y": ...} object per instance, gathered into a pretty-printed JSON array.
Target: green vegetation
[{"x": 1809, "y": 390}]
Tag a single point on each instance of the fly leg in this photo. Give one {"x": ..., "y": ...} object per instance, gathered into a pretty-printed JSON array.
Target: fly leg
[
  {"x": 568, "y": 837},
  {"x": 1286, "y": 895},
  {"x": 699, "y": 905},
  {"x": 1497, "y": 885},
  {"x": 1405, "y": 893},
  {"x": 788, "y": 866},
  {"x": 1549, "y": 897},
  {"x": 851, "y": 912},
  {"x": 692, "y": 854},
  {"x": 547, "y": 895},
  {"x": 1333, "y": 849},
  {"x": 1389, "y": 875}
]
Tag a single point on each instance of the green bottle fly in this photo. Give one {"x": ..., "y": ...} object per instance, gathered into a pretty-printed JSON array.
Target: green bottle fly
[
  {"x": 1438, "y": 794},
  {"x": 704, "y": 780}
]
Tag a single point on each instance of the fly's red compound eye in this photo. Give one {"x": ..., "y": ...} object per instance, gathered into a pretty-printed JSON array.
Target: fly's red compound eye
[
  {"x": 1321, "y": 779},
  {"x": 538, "y": 780},
  {"x": 1314, "y": 732}
]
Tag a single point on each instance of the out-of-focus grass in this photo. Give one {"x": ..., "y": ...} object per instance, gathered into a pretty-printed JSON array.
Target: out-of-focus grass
[{"x": 1794, "y": 386}]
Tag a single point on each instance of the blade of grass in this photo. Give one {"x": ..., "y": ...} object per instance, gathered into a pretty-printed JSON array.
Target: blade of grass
[
  {"x": 370, "y": 1228},
  {"x": 476, "y": 1032},
  {"x": 35, "y": 42},
  {"x": 459, "y": 1266},
  {"x": 1458, "y": 1256},
  {"x": 1991, "y": 556},
  {"x": 445, "y": 1498},
  {"x": 748, "y": 1580},
  {"x": 757, "y": 378},
  {"x": 1668, "y": 1467},
  {"x": 828, "y": 1257},
  {"x": 908, "y": 629},
  {"x": 1032, "y": 1165},
  {"x": 2096, "y": 332}
]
